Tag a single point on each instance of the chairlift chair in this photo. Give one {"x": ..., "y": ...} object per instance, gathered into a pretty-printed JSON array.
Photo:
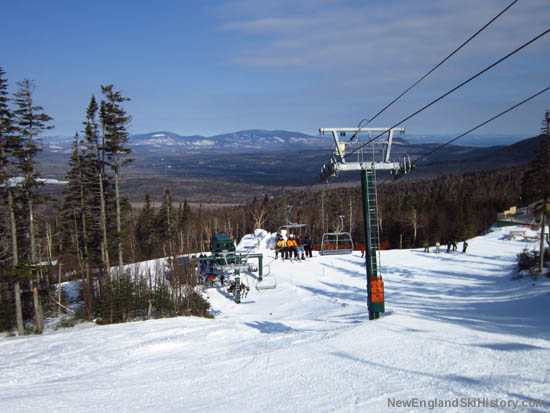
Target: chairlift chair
[
  {"x": 268, "y": 283},
  {"x": 337, "y": 243},
  {"x": 293, "y": 227}
]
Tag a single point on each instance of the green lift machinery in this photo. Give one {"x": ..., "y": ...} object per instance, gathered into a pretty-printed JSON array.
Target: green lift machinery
[{"x": 227, "y": 261}]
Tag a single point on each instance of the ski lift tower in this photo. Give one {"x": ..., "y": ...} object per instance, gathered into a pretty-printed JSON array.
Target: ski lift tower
[{"x": 361, "y": 156}]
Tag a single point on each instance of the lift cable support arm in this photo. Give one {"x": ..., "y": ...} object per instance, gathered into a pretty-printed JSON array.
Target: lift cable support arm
[{"x": 338, "y": 162}]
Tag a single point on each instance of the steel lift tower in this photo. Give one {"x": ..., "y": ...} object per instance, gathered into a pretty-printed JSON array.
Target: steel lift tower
[{"x": 362, "y": 156}]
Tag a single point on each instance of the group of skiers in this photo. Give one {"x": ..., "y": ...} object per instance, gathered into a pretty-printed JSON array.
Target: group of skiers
[
  {"x": 244, "y": 289},
  {"x": 293, "y": 247},
  {"x": 206, "y": 273},
  {"x": 451, "y": 245}
]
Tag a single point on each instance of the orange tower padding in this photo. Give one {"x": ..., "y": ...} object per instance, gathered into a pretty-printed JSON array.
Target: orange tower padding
[{"x": 377, "y": 289}]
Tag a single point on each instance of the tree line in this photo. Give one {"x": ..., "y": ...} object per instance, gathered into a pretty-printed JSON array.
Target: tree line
[{"x": 85, "y": 235}]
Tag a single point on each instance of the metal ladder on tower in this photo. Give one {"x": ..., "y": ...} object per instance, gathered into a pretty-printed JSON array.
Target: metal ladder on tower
[{"x": 373, "y": 220}]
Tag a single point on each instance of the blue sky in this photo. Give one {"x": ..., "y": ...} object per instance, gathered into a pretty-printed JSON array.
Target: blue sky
[{"x": 209, "y": 67}]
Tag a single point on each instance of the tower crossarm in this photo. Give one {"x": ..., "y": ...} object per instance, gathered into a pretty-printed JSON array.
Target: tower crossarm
[{"x": 338, "y": 162}]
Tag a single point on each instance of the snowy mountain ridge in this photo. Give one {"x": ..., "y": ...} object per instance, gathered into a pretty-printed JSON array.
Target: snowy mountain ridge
[{"x": 172, "y": 143}]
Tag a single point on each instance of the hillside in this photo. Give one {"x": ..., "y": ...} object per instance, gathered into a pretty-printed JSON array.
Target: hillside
[{"x": 457, "y": 328}]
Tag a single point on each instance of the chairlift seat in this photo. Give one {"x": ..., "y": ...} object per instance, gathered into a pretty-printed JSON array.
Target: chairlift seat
[
  {"x": 342, "y": 240},
  {"x": 268, "y": 283}
]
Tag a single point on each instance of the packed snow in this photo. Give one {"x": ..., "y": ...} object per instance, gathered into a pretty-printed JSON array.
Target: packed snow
[{"x": 460, "y": 333}]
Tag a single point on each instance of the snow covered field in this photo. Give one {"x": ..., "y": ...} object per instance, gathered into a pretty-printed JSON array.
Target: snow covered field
[{"x": 458, "y": 330}]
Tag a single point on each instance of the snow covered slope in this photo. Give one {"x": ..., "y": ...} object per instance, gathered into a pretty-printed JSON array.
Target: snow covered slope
[{"x": 457, "y": 330}]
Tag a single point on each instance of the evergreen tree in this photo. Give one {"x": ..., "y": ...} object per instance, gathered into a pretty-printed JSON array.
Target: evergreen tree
[
  {"x": 146, "y": 230},
  {"x": 31, "y": 121},
  {"x": 115, "y": 123},
  {"x": 185, "y": 217},
  {"x": 165, "y": 218},
  {"x": 96, "y": 179},
  {"x": 536, "y": 182},
  {"x": 536, "y": 179},
  {"x": 79, "y": 217},
  {"x": 10, "y": 143}
]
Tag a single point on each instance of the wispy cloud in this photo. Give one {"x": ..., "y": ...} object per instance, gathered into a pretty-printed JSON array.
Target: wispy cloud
[
  {"x": 358, "y": 32},
  {"x": 369, "y": 51}
]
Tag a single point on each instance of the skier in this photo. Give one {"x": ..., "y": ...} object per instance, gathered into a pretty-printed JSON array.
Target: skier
[
  {"x": 464, "y": 246},
  {"x": 292, "y": 246},
  {"x": 280, "y": 247},
  {"x": 437, "y": 247},
  {"x": 426, "y": 246},
  {"x": 244, "y": 290},
  {"x": 301, "y": 251},
  {"x": 307, "y": 245}
]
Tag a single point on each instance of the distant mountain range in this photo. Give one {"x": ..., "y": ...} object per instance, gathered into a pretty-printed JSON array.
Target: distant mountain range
[
  {"x": 170, "y": 143},
  {"x": 231, "y": 167}
]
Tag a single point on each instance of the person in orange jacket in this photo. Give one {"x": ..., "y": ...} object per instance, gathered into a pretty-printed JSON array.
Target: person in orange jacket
[{"x": 292, "y": 247}]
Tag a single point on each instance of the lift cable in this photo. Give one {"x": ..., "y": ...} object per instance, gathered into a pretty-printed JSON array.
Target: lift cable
[
  {"x": 304, "y": 192},
  {"x": 474, "y": 128},
  {"x": 451, "y": 91},
  {"x": 434, "y": 68},
  {"x": 483, "y": 123}
]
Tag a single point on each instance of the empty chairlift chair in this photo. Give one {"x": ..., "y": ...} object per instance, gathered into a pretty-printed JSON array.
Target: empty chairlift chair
[{"x": 337, "y": 243}]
